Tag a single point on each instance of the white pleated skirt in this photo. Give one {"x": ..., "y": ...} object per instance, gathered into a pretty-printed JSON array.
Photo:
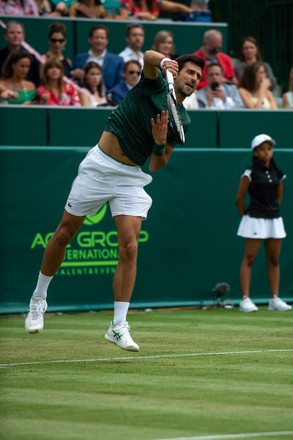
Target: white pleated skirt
[{"x": 261, "y": 228}]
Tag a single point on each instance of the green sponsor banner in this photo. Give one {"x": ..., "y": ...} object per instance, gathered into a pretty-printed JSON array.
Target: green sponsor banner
[{"x": 187, "y": 244}]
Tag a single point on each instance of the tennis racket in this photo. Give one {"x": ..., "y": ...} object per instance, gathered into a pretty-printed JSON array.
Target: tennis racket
[{"x": 174, "y": 117}]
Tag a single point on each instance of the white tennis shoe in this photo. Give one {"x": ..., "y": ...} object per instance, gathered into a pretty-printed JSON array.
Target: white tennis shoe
[
  {"x": 34, "y": 322},
  {"x": 246, "y": 305},
  {"x": 119, "y": 335},
  {"x": 278, "y": 304}
]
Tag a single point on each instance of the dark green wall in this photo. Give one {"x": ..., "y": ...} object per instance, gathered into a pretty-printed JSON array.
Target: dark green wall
[
  {"x": 48, "y": 126},
  {"x": 187, "y": 245}
]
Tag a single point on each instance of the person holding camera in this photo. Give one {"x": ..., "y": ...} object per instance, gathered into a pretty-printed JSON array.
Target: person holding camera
[{"x": 218, "y": 94}]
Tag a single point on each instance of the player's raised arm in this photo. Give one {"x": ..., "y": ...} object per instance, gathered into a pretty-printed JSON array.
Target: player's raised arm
[{"x": 156, "y": 60}]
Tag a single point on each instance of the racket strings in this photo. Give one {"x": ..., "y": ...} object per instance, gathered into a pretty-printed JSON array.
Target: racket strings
[{"x": 175, "y": 121}]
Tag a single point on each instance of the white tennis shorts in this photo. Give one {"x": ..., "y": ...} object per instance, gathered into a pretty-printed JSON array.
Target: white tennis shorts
[
  {"x": 262, "y": 228},
  {"x": 102, "y": 179}
]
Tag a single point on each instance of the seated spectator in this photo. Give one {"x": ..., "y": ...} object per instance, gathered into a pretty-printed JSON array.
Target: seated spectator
[
  {"x": 19, "y": 7},
  {"x": 131, "y": 75},
  {"x": 200, "y": 12},
  {"x": 5, "y": 94},
  {"x": 45, "y": 8},
  {"x": 211, "y": 52},
  {"x": 288, "y": 96},
  {"x": 61, "y": 8},
  {"x": 111, "y": 64},
  {"x": 250, "y": 53},
  {"x": 254, "y": 87},
  {"x": 53, "y": 90},
  {"x": 87, "y": 9},
  {"x": 115, "y": 9},
  {"x": 164, "y": 43},
  {"x": 57, "y": 42},
  {"x": 14, "y": 75},
  {"x": 14, "y": 35},
  {"x": 93, "y": 83},
  {"x": 135, "y": 40},
  {"x": 217, "y": 94},
  {"x": 150, "y": 9}
]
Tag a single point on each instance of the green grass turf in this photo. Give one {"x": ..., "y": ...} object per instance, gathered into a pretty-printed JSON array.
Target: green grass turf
[{"x": 148, "y": 398}]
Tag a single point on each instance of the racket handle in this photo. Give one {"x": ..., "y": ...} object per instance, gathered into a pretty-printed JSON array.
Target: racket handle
[
  {"x": 170, "y": 81},
  {"x": 169, "y": 77}
]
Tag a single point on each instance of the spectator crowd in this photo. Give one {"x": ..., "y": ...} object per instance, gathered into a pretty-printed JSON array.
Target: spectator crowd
[{"x": 98, "y": 77}]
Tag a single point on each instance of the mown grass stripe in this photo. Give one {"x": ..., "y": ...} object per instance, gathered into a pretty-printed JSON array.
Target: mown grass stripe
[
  {"x": 159, "y": 356},
  {"x": 234, "y": 436}
]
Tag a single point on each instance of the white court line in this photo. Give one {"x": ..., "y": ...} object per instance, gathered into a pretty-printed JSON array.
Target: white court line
[
  {"x": 234, "y": 436},
  {"x": 159, "y": 356}
]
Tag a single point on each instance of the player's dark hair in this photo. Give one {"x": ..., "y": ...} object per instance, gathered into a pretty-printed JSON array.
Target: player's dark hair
[{"x": 189, "y": 58}]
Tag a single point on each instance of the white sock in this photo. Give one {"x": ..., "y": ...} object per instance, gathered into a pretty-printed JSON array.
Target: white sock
[
  {"x": 42, "y": 286},
  {"x": 120, "y": 311}
]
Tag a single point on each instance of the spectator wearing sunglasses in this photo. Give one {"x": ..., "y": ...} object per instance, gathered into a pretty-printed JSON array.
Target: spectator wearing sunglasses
[
  {"x": 57, "y": 42},
  {"x": 131, "y": 75}
]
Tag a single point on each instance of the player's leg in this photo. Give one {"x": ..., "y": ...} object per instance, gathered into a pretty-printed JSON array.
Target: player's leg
[
  {"x": 55, "y": 250},
  {"x": 128, "y": 228},
  {"x": 53, "y": 257},
  {"x": 273, "y": 249},
  {"x": 251, "y": 249}
]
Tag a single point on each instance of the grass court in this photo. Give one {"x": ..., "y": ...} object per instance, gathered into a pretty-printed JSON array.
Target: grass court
[{"x": 200, "y": 375}]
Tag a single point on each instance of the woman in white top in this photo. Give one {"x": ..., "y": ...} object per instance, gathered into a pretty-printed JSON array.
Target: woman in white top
[
  {"x": 288, "y": 96},
  {"x": 254, "y": 88},
  {"x": 93, "y": 84}
]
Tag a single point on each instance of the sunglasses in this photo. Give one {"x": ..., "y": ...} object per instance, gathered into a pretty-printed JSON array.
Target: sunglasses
[
  {"x": 57, "y": 40},
  {"x": 132, "y": 72}
]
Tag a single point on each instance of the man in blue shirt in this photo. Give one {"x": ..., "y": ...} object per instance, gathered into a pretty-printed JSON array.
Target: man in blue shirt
[{"x": 111, "y": 64}]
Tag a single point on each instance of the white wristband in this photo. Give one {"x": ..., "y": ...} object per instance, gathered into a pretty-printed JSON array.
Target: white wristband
[{"x": 162, "y": 62}]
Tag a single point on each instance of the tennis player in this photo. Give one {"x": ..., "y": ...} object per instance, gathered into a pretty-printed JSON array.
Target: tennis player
[{"x": 136, "y": 131}]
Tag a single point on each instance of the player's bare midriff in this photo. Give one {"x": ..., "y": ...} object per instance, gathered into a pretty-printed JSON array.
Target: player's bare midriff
[{"x": 110, "y": 145}]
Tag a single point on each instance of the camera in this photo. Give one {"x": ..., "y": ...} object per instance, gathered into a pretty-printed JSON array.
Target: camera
[{"x": 214, "y": 85}]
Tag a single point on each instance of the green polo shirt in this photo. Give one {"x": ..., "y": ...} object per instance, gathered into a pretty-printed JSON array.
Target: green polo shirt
[{"x": 131, "y": 121}]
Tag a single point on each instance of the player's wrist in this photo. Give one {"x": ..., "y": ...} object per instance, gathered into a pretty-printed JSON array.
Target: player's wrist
[
  {"x": 163, "y": 61},
  {"x": 159, "y": 149}
]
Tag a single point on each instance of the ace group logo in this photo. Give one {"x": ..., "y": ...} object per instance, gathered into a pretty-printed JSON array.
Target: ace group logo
[{"x": 94, "y": 249}]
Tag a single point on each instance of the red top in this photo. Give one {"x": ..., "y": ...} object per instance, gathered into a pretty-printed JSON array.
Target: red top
[
  {"x": 222, "y": 59},
  {"x": 69, "y": 96},
  {"x": 135, "y": 9}
]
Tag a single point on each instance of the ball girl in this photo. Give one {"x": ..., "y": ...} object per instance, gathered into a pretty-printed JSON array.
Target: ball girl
[{"x": 261, "y": 220}]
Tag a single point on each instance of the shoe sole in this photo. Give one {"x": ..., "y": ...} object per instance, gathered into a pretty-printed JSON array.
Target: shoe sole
[
  {"x": 33, "y": 331},
  {"x": 38, "y": 330},
  {"x": 130, "y": 348}
]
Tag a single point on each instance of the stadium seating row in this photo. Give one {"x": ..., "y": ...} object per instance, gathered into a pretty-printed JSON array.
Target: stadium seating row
[{"x": 187, "y": 36}]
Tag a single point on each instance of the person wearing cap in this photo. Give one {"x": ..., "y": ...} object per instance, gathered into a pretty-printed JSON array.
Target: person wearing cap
[{"x": 261, "y": 220}]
